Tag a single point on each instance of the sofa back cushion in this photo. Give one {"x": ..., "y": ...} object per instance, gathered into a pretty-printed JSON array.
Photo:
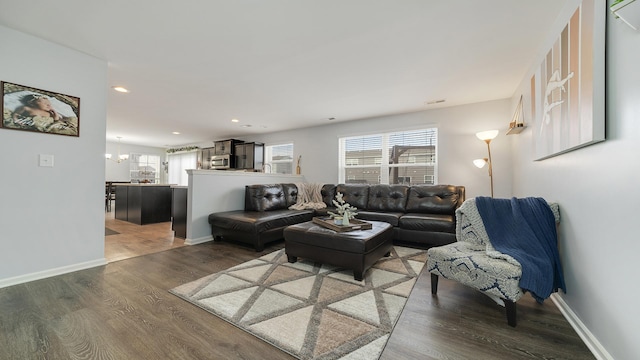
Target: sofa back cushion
[
  {"x": 290, "y": 194},
  {"x": 328, "y": 193},
  {"x": 265, "y": 197},
  {"x": 388, "y": 198},
  {"x": 355, "y": 194},
  {"x": 435, "y": 199}
]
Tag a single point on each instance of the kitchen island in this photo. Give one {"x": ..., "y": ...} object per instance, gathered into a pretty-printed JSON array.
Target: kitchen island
[{"x": 143, "y": 203}]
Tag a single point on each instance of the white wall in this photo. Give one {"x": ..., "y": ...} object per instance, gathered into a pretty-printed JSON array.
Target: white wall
[
  {"x": 120, "y": 171},
  {"x": 457, "y": 144},
  {"x": 52, "y": 218},
  {"x": 597, "y": 189}
]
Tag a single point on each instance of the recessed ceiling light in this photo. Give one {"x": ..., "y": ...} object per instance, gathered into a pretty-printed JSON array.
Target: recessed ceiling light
[
  {"x": 120, "y": 89},
  {"x": 176, "y": 133},
  {"x": 235, "y": 120}
]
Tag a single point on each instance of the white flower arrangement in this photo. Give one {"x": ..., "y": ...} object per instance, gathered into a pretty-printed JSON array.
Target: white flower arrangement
[{"x": 345, "y": 210}]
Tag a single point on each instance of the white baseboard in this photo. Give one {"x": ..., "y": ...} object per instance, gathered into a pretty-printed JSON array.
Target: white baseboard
[
  {"x": 51, "y": 272},
  {"x": 197, "y": 241},
  {"x": 587, "y": 337}
]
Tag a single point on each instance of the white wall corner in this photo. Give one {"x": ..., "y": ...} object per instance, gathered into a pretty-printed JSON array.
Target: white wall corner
[{"x": 587, "y": 337}]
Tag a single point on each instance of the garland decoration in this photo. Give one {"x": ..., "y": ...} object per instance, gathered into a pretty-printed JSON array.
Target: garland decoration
[{"x": 185, "y": 148}]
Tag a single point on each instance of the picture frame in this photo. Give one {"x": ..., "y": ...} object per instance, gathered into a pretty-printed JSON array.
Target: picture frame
[
  {"x": 568, "y": 88},
  {"x": 27, "y": 108}
]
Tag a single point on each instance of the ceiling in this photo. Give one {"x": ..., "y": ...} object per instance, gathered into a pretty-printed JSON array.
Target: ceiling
[{"x": 194, "y": 65}]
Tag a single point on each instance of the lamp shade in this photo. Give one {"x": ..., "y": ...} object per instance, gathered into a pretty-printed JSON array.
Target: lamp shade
[
  {"x": 487, "y": 135},
  {"x": 480, "y": 163}
]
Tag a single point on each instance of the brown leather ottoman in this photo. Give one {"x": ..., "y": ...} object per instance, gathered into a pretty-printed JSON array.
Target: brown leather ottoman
[{"x": 357, "y": 250}]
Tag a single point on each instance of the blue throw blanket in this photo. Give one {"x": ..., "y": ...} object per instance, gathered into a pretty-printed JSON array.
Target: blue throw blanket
[{"x": 525, "y": 229}]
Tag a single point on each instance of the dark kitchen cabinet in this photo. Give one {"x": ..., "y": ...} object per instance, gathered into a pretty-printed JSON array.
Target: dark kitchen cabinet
[
  {"x": 179, "y": 211},
  {"x": 249, "y": 156},
  {"x": 204, "y": 158},
  {"x": 224, "y": 147}
]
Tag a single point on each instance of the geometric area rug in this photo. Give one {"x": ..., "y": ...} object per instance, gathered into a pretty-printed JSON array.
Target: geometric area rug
[{"x": 311, "y": 310}]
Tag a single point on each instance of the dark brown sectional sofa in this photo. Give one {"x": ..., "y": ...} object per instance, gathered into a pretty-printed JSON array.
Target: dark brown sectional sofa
[{"x": 423, "y": 215}]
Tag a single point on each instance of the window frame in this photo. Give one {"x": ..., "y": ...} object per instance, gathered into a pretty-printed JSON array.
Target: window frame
[
  {"x": 381, "y": 160},
  {"x": 142, "y": 175},
  {"x": 268, "y": 157}
]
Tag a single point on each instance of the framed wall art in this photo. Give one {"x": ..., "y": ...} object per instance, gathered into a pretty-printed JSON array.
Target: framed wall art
[
  {"x": 568, "y": 88},
  {"x": 30, "y": 109}
]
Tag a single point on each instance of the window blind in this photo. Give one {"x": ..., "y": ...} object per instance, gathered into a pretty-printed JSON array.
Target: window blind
[{"x": 404, "y": 157}]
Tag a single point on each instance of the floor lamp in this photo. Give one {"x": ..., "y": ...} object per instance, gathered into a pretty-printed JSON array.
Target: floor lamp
[{"x": 487, "y": 136}]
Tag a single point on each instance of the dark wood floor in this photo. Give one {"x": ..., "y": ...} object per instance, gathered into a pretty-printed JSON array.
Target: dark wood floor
[{"x": 124, "y": 311}]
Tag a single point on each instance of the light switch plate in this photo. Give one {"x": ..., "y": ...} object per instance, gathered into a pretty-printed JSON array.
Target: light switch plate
[{"x": 46, "y": 160}]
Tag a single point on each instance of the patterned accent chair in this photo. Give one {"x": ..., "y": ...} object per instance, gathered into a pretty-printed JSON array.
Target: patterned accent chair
[{"x": 473, "y": 261}]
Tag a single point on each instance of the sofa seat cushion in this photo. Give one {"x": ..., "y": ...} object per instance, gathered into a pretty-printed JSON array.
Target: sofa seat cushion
[
  {"x": 428, "y": 222},
  {"x": 423, "y": 238},
  {"x": 388, "y": 217},
  {"x": 325, "y": 211},
  {"x": 470, "y": 265},
  {"x": 256, "y": 222}
]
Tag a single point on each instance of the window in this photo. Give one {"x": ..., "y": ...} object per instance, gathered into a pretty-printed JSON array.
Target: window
[
  {"x": 279, "y": 159},
  {"x": 407, "y": 157},
  {"x": 178, "y": 164},
  {"x": 145, "y": 168},
  {"x": 429, "y": 179}
]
